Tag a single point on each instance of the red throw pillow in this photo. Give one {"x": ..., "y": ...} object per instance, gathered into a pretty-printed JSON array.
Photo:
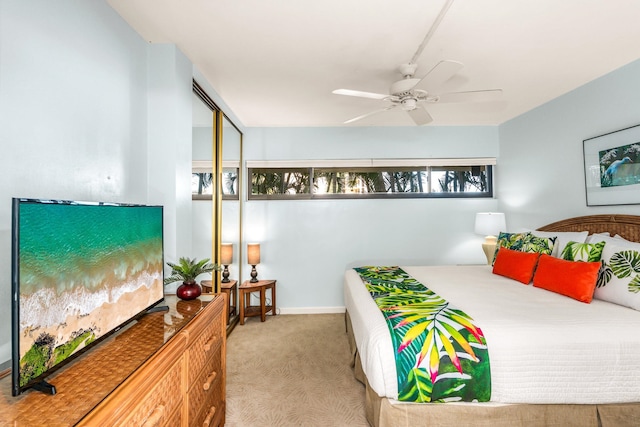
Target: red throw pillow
[
  {"x": 516, "y": 265},
  {"x": 575, "y": 279}
]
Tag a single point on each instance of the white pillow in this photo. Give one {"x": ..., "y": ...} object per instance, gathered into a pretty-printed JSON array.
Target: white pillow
[
  {"x": 619, "y": 277},
  {"x": 618, "y": 241},
  {"x": 563, "y": 238},
  {"x": 598, "y": 237}
]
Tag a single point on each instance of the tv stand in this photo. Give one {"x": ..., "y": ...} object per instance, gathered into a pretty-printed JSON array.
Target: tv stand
[
  {"x": 156, "y": 309},
  {"x": 44, "y": 387},
  {"x": 166, "y": 369}
]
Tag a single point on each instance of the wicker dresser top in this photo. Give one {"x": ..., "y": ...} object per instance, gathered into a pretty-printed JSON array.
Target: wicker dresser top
[{"x": 88, "y": 379}]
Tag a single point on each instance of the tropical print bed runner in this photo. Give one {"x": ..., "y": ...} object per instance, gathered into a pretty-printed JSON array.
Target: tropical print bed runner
[{"x": 441, "y": 356}]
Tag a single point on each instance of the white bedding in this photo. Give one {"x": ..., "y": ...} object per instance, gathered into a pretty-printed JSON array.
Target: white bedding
[{"x": 543, "y": 347}]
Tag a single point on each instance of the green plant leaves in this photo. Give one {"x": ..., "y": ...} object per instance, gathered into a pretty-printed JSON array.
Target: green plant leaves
[
  {"x": 634, "y": 285},
  {"x": 417, "y": 388},
  {"x": 604, "y": 275},
  {"x": 440, "y": 354},
  {"x": 187, "y": 269},
  {"x": 589, "y": 252},
  {"x": 625, "y": 263}
]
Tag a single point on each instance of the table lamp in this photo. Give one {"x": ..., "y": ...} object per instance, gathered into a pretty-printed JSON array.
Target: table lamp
[
  {"x": 490, "y": 224},
  {"x": 226, "y": 258},
  {"x": 253, "y": 257}
]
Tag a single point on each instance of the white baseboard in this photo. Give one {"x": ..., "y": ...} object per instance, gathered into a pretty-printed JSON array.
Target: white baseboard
[{"x": 310, "y": 310}]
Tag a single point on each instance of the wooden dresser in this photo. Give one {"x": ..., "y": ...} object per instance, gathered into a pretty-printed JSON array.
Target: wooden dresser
[{"x": 167, "y": 369}]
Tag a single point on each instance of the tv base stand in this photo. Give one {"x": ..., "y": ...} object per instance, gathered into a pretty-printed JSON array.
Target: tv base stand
[
  {"x": 156, "y": 309},
  {"x": 44, "y": 387}
]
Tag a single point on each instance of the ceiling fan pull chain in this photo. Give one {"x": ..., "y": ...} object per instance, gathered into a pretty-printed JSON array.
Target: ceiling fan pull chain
[{"x": 432, "y": 30}]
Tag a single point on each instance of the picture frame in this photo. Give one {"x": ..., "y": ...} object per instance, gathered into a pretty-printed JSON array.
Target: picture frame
[{"x": 612, "y": 168}]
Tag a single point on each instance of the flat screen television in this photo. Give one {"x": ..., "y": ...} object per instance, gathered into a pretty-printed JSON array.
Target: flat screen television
[{"x": 80, "y": 272}]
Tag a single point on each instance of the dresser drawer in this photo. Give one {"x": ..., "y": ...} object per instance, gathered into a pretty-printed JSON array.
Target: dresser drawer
[
  {"x": 210, "y": 416},
  {"x": 157, "y": 407},
  {"x": 207, "y": 387},
  {"x": 203, "y": 343},
  {"x": 149, "y": 396},
  {"x": 206, "y": 408},
  {"x": 175, "y": 419}
]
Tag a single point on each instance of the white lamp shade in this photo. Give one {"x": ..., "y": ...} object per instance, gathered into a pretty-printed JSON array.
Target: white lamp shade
[
  {"x": 490, "y": 223},
  {"x": 226, "y": 253},
  {"x": 253, "y": 253}
]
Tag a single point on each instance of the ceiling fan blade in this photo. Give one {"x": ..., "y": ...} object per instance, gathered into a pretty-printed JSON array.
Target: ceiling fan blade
[
  {"x": 439, "y": 74},
  {"x": 360, "y": 94},
  {"x": 420, "y": 116},
  {"x": 370, "y": 114},
  {"x": 471, "y": 96}
]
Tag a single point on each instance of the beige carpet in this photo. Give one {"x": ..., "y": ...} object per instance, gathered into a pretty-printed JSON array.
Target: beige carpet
[{"x": 292, "y": 370}]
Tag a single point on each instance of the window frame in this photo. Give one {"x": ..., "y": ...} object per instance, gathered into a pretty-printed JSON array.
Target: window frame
[
  {"x": 206, "y": 166},
  {"x": 375, "y": 165}
]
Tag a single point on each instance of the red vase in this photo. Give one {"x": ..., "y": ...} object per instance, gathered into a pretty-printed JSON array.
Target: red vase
[{"x": 188, "y": 291}]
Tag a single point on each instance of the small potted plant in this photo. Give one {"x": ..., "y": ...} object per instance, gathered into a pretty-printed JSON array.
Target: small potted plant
[{"x": 186, "y": 270}]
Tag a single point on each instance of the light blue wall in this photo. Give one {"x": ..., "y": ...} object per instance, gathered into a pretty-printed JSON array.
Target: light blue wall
[
  {"x": 370, "y": 142},
  {"x": 89, "y": 111},
  {"x": 307, "y": 244},
  {"x": 541, "y": 162}
]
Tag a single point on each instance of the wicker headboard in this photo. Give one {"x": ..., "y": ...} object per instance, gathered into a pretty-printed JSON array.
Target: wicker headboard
[{"x": 627, "y": 226}]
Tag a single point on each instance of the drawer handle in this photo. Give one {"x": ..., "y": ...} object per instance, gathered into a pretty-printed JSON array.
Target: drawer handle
[
  {"x": 207, "y": 346},
  {"x": 154, "y": 418},
  {"x": 209, "y": 380},
  {"x": 210, "y": 414}
]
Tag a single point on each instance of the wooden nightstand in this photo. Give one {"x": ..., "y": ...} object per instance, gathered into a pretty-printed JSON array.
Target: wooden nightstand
[
  {"x": 231, "y": 289},
  {"x": 207, "y": 286},
  {"x": 248, "y": 310}
]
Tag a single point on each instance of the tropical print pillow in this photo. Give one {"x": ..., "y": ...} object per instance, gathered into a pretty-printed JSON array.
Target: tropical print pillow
[
  {"x": 541, "y": 245},
  {"x": 562, "y": 238},
  {"x": 513, "y": 241},
  {"x": 587, "y": 252},
  {"x": 524, "y": 242},
  {"x": 619, "y": 276}
]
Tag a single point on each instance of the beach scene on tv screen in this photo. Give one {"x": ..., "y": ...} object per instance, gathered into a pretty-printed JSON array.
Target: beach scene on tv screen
[{"x": 84, "y": 270}]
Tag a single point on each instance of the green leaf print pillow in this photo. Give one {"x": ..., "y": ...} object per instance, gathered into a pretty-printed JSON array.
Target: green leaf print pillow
[
  {"x": 588, "y": 252},
  {"x": 619, "y": 276},
  {"x": 513, "y": 241},
  {"x": 541, "y": 245},
  {"x": 524, "y": 242}
]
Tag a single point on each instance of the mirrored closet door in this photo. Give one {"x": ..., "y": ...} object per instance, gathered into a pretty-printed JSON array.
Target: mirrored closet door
[{"x": 215, "y": 136}]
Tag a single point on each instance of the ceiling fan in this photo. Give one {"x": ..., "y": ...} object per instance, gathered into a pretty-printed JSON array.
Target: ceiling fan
[{"x": 411, "y": 94}]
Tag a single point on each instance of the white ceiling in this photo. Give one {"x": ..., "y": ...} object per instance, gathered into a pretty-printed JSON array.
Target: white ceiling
[{"x": 276, "y": 62}]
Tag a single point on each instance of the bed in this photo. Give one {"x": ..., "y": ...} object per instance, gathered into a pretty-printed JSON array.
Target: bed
[{"x": 587, "y": 374}]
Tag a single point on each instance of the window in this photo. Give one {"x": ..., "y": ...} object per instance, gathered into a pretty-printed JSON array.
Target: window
[
  {"x": 273, "y": 181},
  {"x": 371, "y": 178},
  {"x": 461, "y": 179},
  {"x": 202, "y": 181}
]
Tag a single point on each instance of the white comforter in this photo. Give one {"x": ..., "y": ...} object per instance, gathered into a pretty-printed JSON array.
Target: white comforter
[{"x": 543, "y": 347}]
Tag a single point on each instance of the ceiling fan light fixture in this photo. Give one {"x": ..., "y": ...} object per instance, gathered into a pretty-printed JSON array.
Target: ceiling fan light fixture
[{"x": 408, "y": 104}]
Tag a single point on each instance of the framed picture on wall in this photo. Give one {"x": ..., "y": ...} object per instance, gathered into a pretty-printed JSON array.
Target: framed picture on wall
[{"x": 612, "y": 168}]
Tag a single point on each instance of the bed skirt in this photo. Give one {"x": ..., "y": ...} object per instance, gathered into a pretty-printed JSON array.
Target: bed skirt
[{"x": 382, "y": 412}]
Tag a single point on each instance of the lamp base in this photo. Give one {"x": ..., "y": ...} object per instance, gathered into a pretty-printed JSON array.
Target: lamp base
[
  {"x": 254, "y": 274},
  {"x": 489, "y": 248},
  {"x": 225, "y": 274}
]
